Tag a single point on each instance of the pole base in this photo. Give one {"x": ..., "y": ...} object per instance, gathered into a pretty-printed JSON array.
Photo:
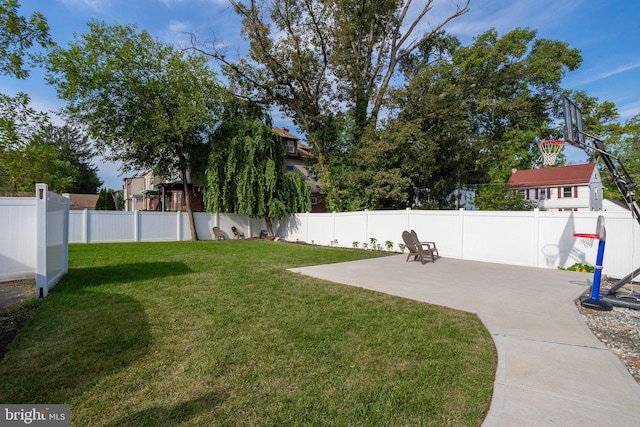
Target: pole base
[{"x": 596, "y": 304}]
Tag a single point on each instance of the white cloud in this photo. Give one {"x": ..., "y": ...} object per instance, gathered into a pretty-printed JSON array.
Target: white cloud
[
  {"x": 617, "y": 70},
  {"x": 176, "y": 33},
  {"x": 95, "y": 5},
  {"x": 505, "y": 15},
  {"x": 628, "y": 111}
]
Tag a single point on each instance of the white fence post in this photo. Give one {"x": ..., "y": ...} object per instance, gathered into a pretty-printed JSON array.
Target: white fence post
[
  {"x": 41, "y": 241},
  {"x": 461, "y": 235},
  {"x": 136, "y": 226},
  {"x": 536, "y": 238},
  {"x": 333, "y": 239},
  {"x": 366, "y": 225},
  {"x": 85, "y": 226},
  {"x": 178, "y": 226}
]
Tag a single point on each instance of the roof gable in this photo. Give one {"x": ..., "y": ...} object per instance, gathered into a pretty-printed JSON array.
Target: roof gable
[
  {"x": 284, "y": 133},
  {"x": 561, "y": 175}
]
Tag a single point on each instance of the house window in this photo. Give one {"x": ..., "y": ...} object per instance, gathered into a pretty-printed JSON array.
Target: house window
[
  {"x": 314, "y": 201},
  {"x": 291, "y": 147},
  {"x": 543, "y": 193},
  {"x": 521, "y": 193},
  {"x": 567, "y": 192}
]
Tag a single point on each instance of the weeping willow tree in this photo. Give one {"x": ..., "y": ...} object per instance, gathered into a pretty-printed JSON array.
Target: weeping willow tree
[{"x": 244, "y": 174}]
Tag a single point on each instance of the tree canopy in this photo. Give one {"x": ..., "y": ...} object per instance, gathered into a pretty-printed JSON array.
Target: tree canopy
[
  {"x": 74, "y": 147},
  {"x": 328, "y": 64},
  {"x": 465, "y": 115},
  {"x": 149, "y": 104},
  {"x": 25, "y": 159},
  {"x": 482, "y": 111},
  {"x": 17, "y": 36}
]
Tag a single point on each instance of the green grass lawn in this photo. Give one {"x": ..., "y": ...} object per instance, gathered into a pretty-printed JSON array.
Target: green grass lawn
[{"x": 219, "y": 333}]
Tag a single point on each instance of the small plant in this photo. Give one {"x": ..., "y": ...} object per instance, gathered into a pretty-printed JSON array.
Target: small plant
[
  {"x": 365, "y": 245},
  {"x": 578, "y": 266},
  {"x": 355, "y": 245},
  {"x": 402, "y": 246},
  {"x": 389, "y": 245},
  {"x": 372, "y": 242}
]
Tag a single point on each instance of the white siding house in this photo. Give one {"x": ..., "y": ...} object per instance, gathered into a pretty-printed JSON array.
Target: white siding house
[{"x": 563, "y": 188}]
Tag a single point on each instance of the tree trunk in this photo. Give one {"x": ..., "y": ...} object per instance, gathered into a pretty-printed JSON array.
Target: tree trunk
[
  {"x": 187, "y": 198},
  {"x": 267, "y": 220}
]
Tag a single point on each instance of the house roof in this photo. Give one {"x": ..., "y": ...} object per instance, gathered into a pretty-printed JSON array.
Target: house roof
[
  {"x": 302, "y": 150},
  {"x": 284, "y": 133},
  {"x": 561, "y": 175},
  {"x": 78, "y": 202}
]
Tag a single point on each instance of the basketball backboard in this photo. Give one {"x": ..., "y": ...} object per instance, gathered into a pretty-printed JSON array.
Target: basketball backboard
[{"x": 573, "y": 133}]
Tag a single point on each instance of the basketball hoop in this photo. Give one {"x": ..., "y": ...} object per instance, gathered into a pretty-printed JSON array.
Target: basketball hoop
[
  {"x": 550, "y": 148},
  {"x": 587, "y": 239}
]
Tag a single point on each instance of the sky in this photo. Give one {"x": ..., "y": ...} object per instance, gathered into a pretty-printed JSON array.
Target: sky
[{"x": 607, "y": 33}]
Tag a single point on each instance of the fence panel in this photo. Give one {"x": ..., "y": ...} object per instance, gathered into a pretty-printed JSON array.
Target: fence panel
[
  {"x": 442, "y": 227},
  {"x": 52, "y": 215},
  {"x": 17, "y": 238},
  {"x": 386, "y": 226},
  {"x": 350, "y": 228},
  {"x": 111, "y": 226},
  {"x": 499, "y": 237},
  {"x": 538, "y": 239},
  {"x": 157, "y": 226},
  {"x": 320, "y": 229}
]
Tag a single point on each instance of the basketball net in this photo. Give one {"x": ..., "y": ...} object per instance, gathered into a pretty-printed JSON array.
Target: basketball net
[
  {"x": 550, "y": 148},
  {"x": 586, "y": 239}
]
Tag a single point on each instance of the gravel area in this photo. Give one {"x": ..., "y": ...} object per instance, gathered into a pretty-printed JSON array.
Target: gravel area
[{"x": 618, "y": 329}]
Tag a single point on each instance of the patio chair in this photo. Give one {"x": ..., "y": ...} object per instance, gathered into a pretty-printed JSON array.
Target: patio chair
[
  {"x": 237, "y": 234},
  {"x": 217, "y": 233},
  {"x": 415, "y": 249},
  {"x": 431, "y": 246}
]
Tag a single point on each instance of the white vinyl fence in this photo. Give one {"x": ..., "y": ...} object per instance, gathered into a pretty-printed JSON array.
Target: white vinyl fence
[
  {"x": 536, "y": 239},
  {"x": 34, "y": 236}
]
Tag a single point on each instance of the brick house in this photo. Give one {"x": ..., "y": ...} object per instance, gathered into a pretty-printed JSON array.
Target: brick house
[{"x": 562, "y": 188}]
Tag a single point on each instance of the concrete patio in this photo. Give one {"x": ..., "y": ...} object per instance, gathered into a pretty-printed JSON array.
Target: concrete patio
[{"x": 551, "y": 369}]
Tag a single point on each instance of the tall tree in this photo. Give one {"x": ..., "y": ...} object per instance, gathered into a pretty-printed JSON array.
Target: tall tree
[
  {"x": 475, "y": 116},
  {"x": 151, "y": 105},
  {"x": 329, "y": 63},
  {"x": 106, "y": 201},
  {"x": 17, "y": 36},
  {"x": 24, "y": 159},
  {"x": 245, "y": 170},
  {"x": 74, "y": 147}
]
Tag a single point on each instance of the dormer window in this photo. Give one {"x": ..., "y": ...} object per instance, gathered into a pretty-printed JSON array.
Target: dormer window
[{"x": 291, "y": 146}]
